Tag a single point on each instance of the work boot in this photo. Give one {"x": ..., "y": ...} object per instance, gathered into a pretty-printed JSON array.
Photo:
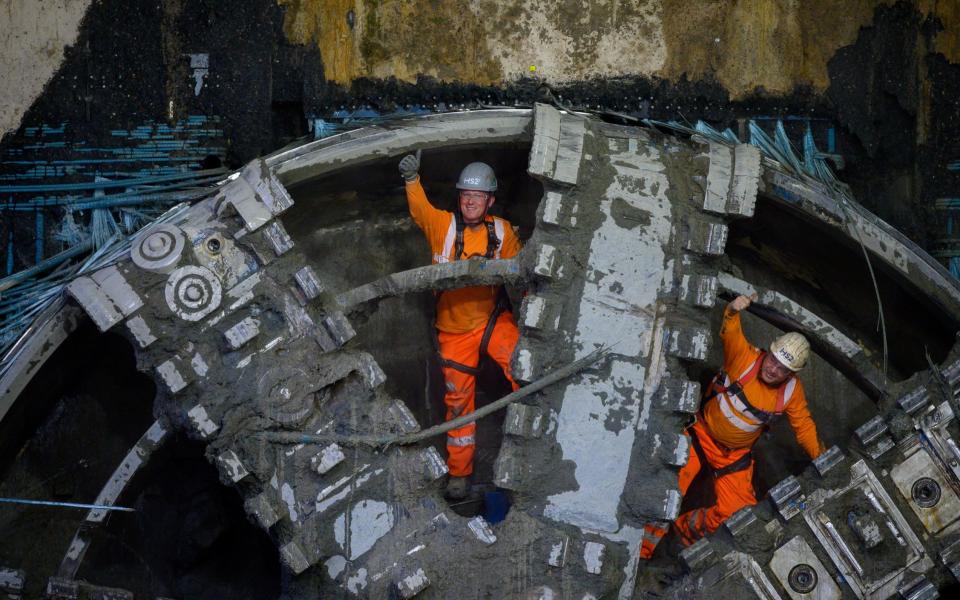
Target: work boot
[{"x": 457, "y": 487}]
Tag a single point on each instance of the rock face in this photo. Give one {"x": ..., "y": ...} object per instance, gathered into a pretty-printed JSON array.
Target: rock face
[{"x": 244, "y": 337}]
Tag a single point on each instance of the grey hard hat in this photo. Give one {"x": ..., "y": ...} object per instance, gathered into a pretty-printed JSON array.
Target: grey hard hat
[{"x": 477, "y": 176}]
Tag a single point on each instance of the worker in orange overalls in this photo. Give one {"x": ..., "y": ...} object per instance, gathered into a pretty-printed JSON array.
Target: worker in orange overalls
[
  {"x": 473, "y": 320},
  {"x": 754, "y": 388}
]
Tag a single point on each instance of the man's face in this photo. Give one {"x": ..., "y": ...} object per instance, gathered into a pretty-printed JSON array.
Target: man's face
[
  {"x": 474, "y": 205},
  {"x": 772, "y": 371}
]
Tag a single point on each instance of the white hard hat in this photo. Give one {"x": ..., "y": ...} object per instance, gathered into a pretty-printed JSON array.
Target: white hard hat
[
  {"x": 477, "y": 176},
  {"x": 792, "y": 350}
]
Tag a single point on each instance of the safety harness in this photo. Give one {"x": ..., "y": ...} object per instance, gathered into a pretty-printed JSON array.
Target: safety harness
[
  {"x": 503, "y": 302},
  {"x": 735, "y": 389},
  {"x": 493, "y": 242}
]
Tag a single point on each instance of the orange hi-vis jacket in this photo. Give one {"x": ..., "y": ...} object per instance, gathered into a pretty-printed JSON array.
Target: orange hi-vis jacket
[
  {"x": 728, "y": 419},
  {"x": 464, "y": 309}
]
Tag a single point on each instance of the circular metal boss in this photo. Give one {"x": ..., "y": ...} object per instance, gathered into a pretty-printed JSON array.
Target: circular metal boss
[
  {"x": 193, "y": 292},
  {"x": 925, "y": 492},
  {"x": 285, "y": 395},
  {"x": 158, "y": 249},
  {"x": 802, "y": 578}
]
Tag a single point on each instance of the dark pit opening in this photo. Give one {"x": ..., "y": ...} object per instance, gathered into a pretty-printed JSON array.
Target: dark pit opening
[{"x": 69, "y": 430}]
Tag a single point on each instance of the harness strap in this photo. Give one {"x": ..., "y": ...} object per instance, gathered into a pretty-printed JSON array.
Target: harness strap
[
  {"x": 736, "y": 389},
  {"x": 741, "y": 464},
  {"x": 493, "y": 242}
]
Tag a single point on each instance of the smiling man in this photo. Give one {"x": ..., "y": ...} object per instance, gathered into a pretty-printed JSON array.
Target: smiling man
[
  {"x": 754, "y": 388},
  {"x": 471, "y": 321}
]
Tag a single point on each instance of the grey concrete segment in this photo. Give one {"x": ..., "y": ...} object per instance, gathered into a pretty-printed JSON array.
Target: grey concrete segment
[
  {"x": 409, "y": 585},
  {"x": 277, "y": 237},
  {"x": 64, "y": 589},
  {"x": 828, "y": 460},
  {"x": 231, "y": 468},
  {"x": 434, "y": 466},
  {"x": 871, "y": 430},
  {"x": 698, "y": 290},
  {"x": 238, "y": 194},
  {"x": 539, "y": 313},
  {"x": 509, "y": 468},
  {"x": 266, "y": 512},
  {"x": 266, "y": 187},
  {"x": 919, "y": 588},
  {"x": 593, "y": 557},
  {"x": 403, "y": 417},
  {"x": 94, "y": 302},
  {"x": 140, "y": 331},
  {"x": 740, "y": 521},
  {"x": 546, "y": 141},
  {"x": 523, "y": 420},
  {"x": 746, "y": 180},
  {"x": 60, "y": 588},
  {"x": 678, "y": 395},
  {"x": 670, "y": 507},
  {"x": 294, "y": 557},
  {"x": 241, "y": 333},
  {"x": 255, "y": 194},
  {"x": 339, "y": 328},
  {"x": 202, "y": 424},
  {"x": 158, "y": 248},
  {"x": 874, "y": 437},
  {"x": 308, "y": 283},
  {"x": 11, "y": 581},
  {"x": 691, "y": 343},
  {"x": 698, "y": 556},
  {"x": 173, "y": 374},
  {"x": 719, "y": 178},
  {"x": 673, "y": 449},
  {"x": 524, "y": 364},
  {"x": 481, "y": 529},
  {"x": 555, "y": 210},
  {"x": 113, "y": 284},
  {"x": 570, "y": 149},
  {"x": 787, "y": 497},
  {"x": 558, "y": 552},
  {"x": 914, "y": 400},
  {"x": 546, "y": 262},
  {"x": 705, "y": 237},
  {"x": 327, "y": 459}
]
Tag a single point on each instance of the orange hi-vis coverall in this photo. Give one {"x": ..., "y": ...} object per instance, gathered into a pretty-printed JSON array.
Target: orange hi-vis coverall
[
  {"x": 726, "y": 431},
  {"x": 462, "y": 317}
]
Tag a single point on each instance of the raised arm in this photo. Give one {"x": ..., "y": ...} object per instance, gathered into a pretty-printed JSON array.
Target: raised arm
[
  {"x": 731, "y": 333},
  {"x": 424, "y": 214},
  {"x": 804, "y": 428}
]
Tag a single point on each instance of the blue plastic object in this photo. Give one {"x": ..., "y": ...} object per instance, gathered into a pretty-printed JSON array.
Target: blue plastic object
[{"x": 496, "y": 505}]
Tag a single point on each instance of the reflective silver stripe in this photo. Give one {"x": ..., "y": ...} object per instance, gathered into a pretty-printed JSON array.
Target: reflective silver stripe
[
  {"x": 465, "y": 440},
  {"x": 448, "y": 242},
  {"x": 498, "y": 229},
  {"x": 790, "y": 386},
  {"x": 735, "y": 420}
]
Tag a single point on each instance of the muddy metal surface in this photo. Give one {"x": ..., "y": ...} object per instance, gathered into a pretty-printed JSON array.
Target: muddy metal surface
[{"x": 252, "y": 317}]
